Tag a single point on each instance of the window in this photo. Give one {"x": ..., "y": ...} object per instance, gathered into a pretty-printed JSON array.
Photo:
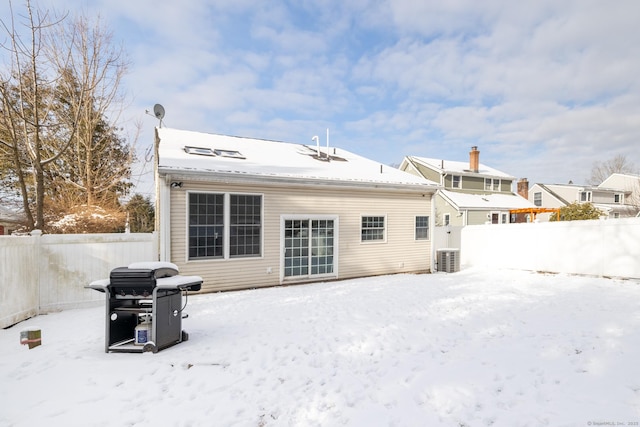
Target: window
[
  {"x": 210, "y": 224},
  {"x": 228, "y": 153},
  {"x": 422, "y": 228},
  {"x": 372, "y": 229},
  {"x": 537, "y": 199},
  {"x": 308, "y": 247},
  {"x": 503, "y": 218},
  {"x": 455, "y": 181},
  {"x": 491, "y": 184},
  {"x": 206, "y": 225},
  {"x": 244, "y": 228},
  {"x": 585, "y": 196},
  {"x": 201, "y": 151},
  {"x": 616, "y": 214},
  {"x": 446, "y": 219},
  {"x": 618, "y": 198}
]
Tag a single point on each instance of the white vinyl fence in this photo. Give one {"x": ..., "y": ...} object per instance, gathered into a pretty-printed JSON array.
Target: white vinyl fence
[
  {"x": 446, "y": 237},
  {"x": 45, "y": 273},
  {"x": 609, "y": 248}
]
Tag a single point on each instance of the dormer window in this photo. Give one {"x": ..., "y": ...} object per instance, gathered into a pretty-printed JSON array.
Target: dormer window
[
  {"x": 585, "y": 196},
  {"x": 456, "y": 181}
]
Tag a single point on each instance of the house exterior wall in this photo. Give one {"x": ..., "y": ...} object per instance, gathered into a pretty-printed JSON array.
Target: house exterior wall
[
  {"x": 472, "y": 183},
  {"x": 443, "y": 208},
  {"x": 570, "y": 194},
  {"x": 477, "y": 217},
  {"x": 429, "y": 174},
  {"x": 505, "y": 185},
  {"x": 399, "y": 253}
]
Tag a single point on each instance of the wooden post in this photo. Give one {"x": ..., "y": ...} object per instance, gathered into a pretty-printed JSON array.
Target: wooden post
[{"x": 31, "y": 336}]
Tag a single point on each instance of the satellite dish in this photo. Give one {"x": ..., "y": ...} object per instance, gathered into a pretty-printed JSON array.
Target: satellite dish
[{"x": 158, "y": 111}]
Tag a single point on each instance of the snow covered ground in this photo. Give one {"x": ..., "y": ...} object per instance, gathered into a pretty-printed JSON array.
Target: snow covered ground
[{"x": 474, "y": 348}]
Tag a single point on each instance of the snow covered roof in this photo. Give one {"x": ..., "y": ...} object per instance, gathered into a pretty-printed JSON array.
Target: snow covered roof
[
  {"x": 487, "y": 201},
  {"x": 230, "y": 157},
  {"x": 461, "y": 168}
]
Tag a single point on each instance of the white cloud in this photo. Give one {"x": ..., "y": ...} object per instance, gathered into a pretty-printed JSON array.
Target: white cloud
[{"x": 545, "y": 88}]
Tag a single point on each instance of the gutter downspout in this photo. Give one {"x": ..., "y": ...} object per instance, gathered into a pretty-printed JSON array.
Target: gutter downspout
[
  {"x": 156, "y": 177},
  {"x": 432, "y": 248},
  {"x": 165, "y": 224}
]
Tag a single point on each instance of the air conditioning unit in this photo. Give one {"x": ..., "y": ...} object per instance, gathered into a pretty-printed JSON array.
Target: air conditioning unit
[{"x": 448, "y": 260}]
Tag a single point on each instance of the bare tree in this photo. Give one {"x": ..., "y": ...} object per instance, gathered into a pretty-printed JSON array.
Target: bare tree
[
  {"x": 32, "y": 138},
  {"x": 98, "y": 161},
  {"x": 602, "y": 170},
  {"x": 60, "y": 96}
]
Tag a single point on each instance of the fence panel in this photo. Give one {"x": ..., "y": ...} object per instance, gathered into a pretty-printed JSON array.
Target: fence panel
[
  {"x": 41, "y": 274},
  {"x": 19, "y": 292},
  {"x": 599, "y": 247}
]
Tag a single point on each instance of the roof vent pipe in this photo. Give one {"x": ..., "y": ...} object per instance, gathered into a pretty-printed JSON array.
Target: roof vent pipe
[{"x": 328, "y": 144}]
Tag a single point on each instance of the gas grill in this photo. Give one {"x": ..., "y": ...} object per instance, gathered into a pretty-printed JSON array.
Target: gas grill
[{"x": 144, "y": 307}]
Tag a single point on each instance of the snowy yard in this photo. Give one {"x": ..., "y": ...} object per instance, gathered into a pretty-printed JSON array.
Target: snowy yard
[{"x": 475, "y": 348}]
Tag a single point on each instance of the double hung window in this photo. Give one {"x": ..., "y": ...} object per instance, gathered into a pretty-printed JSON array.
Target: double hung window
[{"x": 373, "y": 229}]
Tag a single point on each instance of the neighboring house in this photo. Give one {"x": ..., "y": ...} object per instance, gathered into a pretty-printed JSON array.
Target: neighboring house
[
  {"x": 472, "y": 193},
  {"x": 9, "y": 221},
  {"x": 608, "y": 200},
  {"x": 246, "y": 213},
  {"x": 629, "y": 184}
]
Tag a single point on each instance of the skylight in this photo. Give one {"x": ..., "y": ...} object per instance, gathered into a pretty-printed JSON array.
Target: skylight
[
  {"x": 202, "y": 151},
  {"x": 229, "y": 153},
  {"x": 199, "y": 151}
]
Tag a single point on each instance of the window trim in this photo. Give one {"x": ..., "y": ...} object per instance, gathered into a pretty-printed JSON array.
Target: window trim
[
  {"x": 620, "y": 197},
  {"x": 428, "y": 227},
  {"x": 493, "y": 184},
  {"x": 226, "y": 227},
  {"x": 336, "y": 245},
  {"x": 384, "y": 229},
  {"x": 537, "y": 195}
]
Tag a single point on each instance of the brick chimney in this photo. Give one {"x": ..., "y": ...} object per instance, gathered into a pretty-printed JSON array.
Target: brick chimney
[
  {"x": 474, "y": 159},
  {"x": 523, "y": 188}
]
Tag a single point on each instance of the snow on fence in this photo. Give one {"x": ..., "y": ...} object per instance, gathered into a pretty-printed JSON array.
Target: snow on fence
[
  {"x": 45, "y": 273},
  {"x": 609, "y": 248}
]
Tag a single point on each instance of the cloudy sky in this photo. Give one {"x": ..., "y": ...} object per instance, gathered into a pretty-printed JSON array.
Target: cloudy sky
[{"x": 544, "y": 88}]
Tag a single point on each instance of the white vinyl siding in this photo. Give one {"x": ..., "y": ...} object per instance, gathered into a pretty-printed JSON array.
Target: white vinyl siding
[{"x": 400, "y": 253}]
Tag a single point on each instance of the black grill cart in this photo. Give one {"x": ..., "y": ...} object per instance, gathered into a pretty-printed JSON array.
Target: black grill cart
[{"x": 144, "y": 306}]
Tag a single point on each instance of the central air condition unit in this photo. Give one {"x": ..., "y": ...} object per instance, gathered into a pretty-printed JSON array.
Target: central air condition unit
[{"x": 448, "y": 260}]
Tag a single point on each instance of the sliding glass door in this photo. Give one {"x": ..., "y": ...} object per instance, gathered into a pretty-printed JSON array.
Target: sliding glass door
[{"x": 308, "y": 247}]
